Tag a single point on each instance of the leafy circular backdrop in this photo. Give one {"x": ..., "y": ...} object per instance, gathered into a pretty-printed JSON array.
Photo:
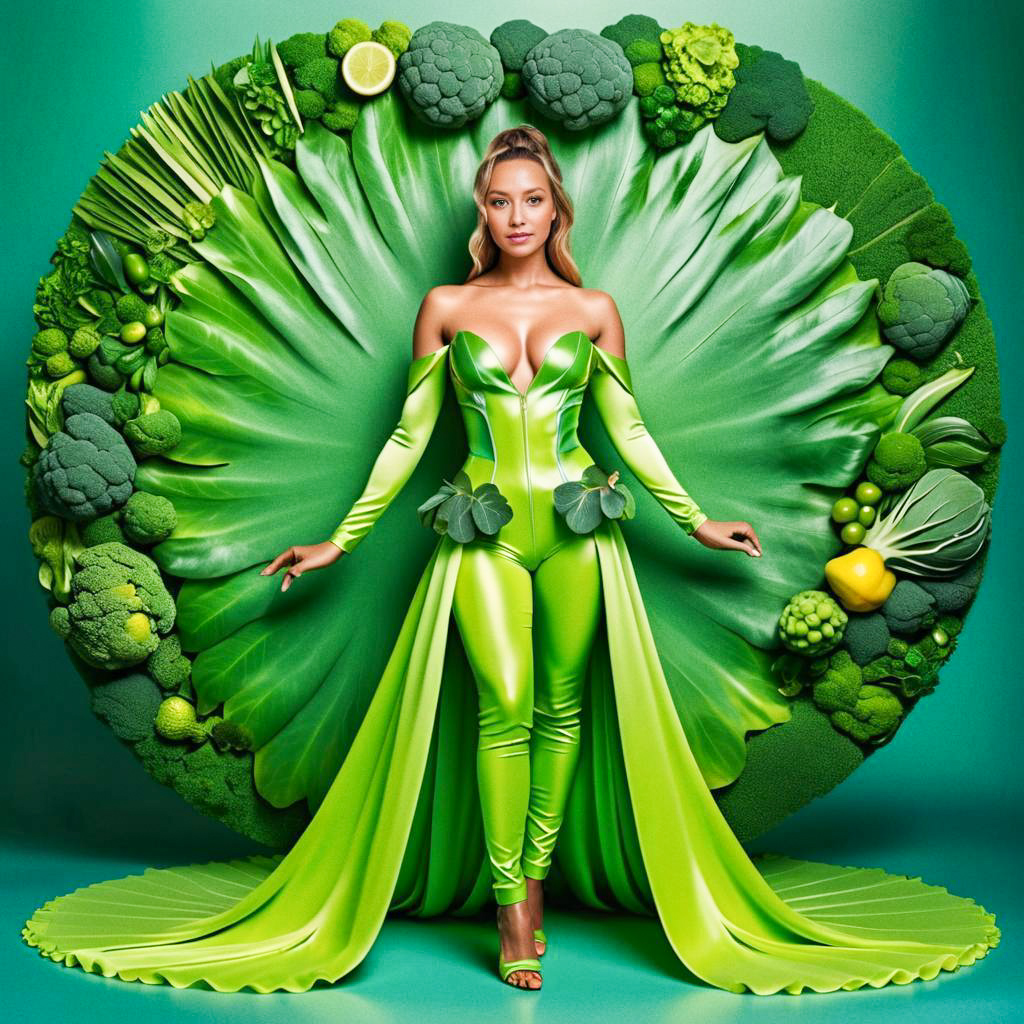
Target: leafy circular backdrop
[{"x": 222, "y": 348}]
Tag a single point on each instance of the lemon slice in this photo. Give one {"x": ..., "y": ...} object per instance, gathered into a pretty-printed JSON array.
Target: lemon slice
[{"x": 368, "y": 68}]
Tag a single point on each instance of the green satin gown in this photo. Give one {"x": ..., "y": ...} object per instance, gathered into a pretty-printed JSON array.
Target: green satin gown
[{"x": 399, "y": 829}]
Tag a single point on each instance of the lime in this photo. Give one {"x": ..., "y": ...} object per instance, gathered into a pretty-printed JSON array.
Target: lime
[
  {"x": 368, "y": 68},
  {"x": 867, "y": 493},
  {"x": 133, "y": 332},
  {"x": 136, "y": 269},
  {"x": 852, "y": 533}
]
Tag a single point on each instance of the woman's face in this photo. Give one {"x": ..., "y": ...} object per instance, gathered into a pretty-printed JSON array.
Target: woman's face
[{"x": 520, "y": 207}]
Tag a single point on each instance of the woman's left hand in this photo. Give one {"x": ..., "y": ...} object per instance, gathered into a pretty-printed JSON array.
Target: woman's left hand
[{"x": 738, "y": 536}]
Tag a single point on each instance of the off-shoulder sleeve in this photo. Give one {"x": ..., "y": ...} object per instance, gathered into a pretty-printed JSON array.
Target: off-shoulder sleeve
[
  {"x": 402, "y": 451},
  {"x": 612, "y": 388}
]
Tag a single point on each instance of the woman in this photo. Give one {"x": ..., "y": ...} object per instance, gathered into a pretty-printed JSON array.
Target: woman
[{"x": 522, "y": 343}]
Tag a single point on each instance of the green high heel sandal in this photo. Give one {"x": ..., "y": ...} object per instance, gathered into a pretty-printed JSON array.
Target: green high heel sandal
[
  {"x": 539, "y": 936},
  {"x": 529, "y": 963}
]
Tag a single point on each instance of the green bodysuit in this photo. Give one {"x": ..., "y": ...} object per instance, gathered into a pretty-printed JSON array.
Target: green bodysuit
[
  {"x": 526, "y": 444},
  {"x": 399, "y": 827}
]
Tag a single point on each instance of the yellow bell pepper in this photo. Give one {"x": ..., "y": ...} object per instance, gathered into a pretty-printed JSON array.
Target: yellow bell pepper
[{"x": 860, "y": 580}]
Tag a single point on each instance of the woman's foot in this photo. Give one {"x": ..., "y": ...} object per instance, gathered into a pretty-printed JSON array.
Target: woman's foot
[
  {"x": 516, "y": 930},
  {"x": 535, "y": 901}
]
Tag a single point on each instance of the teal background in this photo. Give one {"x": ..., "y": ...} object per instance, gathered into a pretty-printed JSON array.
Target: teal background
[{"x": 941, "y": 803}]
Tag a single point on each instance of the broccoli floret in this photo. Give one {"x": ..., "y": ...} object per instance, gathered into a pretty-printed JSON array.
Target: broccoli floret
[
  {"x": 309, "y": 103},
  {"x": 647, "y": 78},
  {"x": 633, "y": 28},
  {"x": 322, "y": 76},
  {"x": 128, "y": 705},
  {"x": 898, "y": 461},
  {"x": 153, "y": 433},
  {"x": 85, "y": 470},
  {"x": 897, "y": 648},
  {"x": 449, "y": 74},
  {"x": 148, "y": 518},
  {"x": 867, "y": 636},
  {"x": 102, "y": 366},
  {"x": 909, "y": 608},
  {"x": 395, "y": 35},
  {"x": 59, "y": 365},
  {"x": 957, "y": 592},
  {"x": 119, "y": 607},
  {"x": 514, "y": 39},
  {"x": 812, "y": 623},
  {"x": 102, "y": 531},
  {"x": 921, "y": 307},
  {"x": 931, "y": 238},
  {"x": 130, "y": 308},
  {"x": 49, "y": 342},
  {"x": 345, "y": 34},
  {"x": 84, "y": 342},
  {"x": 876, "y": 713},
  {"x": 125, "y": 405},
  {"x": 578, "y": 78},
  {"x": 221, "y": 785},
  {"x": 769, "y": 96},
  {"x": 168, "y": 666},
  {"x": 951, "y": 624},
  {"x": 342, "y": 117},
  {"x": 902, "y": 376},
  {"x": 838, "y": 688},
  {"x": 85, "y": 398},
  {"x": 301, "y": 48},
  {"x": 161, "y": 267}
]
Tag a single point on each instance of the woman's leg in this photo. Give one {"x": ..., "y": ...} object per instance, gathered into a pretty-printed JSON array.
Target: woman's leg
[
  {"x": 493, "y": 608},
  {"x": 567, "y": 592}
]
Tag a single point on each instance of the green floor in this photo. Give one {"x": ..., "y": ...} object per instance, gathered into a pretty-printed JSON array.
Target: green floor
[{"x": 599, "y": 968}]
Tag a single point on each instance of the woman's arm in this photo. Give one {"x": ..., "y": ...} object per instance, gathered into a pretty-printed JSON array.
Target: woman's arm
[
  {"x": 428, "y": 375},
  {"x": 612, "y": 387}
]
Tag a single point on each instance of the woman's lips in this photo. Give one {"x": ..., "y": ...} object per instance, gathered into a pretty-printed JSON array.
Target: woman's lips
[{"x": 518, "y": 238}]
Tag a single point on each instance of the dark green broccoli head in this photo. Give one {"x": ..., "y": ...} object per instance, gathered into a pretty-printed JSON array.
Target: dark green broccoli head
[
  {"x": 148, "y": 518},
  {"x": 85, "y": 398},
  {"x": 514, "y": 40},
  {"x": 119, "y": 607},
  {"x": 301, "y": 48},
  {"x": 103, "y": 530},
  {"x": 838, "y": 688},
  {"x": 909, "y": 608},
  {"x": 897, "y": 462},
  {"x": 128, "y": 705},
  {"x": 85, "y": 470},
  {"x": 309, "y": 103},
  {"x": 634, "y": 28},
  {"x": 220, "y": 784},
  {"x": 153, "y": 432},
  {"x": 578, "y": 78},
  {"x": 321, "y": 75},
  {"x": 167, "y": 665},
  {"x": 125, "y": 405},
  {"x": 921, "y": 307},
  {"x": 769, "y": 96},
  {"x": 450, "y": 74},
  {"x": 875, "y": 716},
  {"x": 225, "y": 73},
  {"x": 647, "y": 78},
  {"x": 342, "y": 117},
  {"x": 902, "y": 376}
]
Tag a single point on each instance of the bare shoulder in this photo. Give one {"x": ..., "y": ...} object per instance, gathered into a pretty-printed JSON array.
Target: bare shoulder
[
  {"x": 436, "y": 310},
  {"x": 611, "y": 335}
]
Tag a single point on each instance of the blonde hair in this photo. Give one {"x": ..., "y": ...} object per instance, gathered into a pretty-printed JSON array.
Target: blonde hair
[{"x": 530, "y": 143}]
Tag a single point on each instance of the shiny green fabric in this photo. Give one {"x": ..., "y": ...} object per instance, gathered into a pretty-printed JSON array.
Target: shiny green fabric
[{"x": 401, "y": 828}]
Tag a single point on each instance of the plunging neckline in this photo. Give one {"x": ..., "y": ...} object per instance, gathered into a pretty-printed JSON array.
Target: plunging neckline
[{"x": 501, "y": 365}]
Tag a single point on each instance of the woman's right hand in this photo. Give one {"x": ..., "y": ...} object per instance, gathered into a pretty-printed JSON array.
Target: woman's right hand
[{"x": 302, "y": 557}]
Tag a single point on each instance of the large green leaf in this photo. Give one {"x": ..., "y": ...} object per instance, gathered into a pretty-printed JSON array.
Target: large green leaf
[{"x": 752, "y": 350}]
